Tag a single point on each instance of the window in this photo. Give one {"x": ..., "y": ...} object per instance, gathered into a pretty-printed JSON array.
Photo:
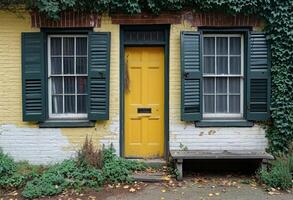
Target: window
[
  {"x": 223, "y": 76},
  {"x": 67, "y": 76}
]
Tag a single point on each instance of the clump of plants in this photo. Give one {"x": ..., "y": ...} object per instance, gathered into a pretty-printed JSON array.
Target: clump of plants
[
  {"x": 280, "y": 173},
  {"x": 90, "y": 155},
  {"x": 117, "y": 169},
  {"x": 91, "y": 169},
  {"x": 59, "y": 177},
  {"x": 13, "y": 174}
]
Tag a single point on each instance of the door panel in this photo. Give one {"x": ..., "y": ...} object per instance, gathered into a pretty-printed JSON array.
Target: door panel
[{"x": 144, "y": 102}]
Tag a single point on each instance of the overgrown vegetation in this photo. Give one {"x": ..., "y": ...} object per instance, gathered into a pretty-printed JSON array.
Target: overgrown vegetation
[
  {"x": 91, "y": 169},
  {"x": 280, "y": 173},
  {"x": 117, "y": 169},
  {"x": 15, "y": 175},
  {"x": 279, "y": 26},
  {"x": 63, "y": 176}
]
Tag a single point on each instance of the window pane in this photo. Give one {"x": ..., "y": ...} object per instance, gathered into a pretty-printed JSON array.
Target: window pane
[
  {"x": 57, "y": 85},
  {"x": 235, "y": 46},
  {"x": 68, "y": 46},
  {"x": 209, "y": 65},
  {"x": 57, "y": 104},
  {"x": 209, "y": 103},
  {"x": 221, "y": 85},
  {"x": 209, "y": 46},
  {"x": 209, "y": 85},
  {"x": 55, "y": 46},
  {"x": 81, "y": 85},
  {"x": 81, "y": 65},
  {"x": 222, "y": 46},
  {"x": 81, "y": 104},
  {"x": 69, "y": 104},
  {"x": 234, "y": 104},
  {"x": 235, "y": 65},
  {"x": 56, "y": 66},
  {"x": 221, "y": 101},
  {"x": 69, "y": 85},
  {"x": 222, "y": 65},
  {"x": 68, "y": 65},
  {"x": 234, "y": 85},
  {"x": 81, "y": 46}
]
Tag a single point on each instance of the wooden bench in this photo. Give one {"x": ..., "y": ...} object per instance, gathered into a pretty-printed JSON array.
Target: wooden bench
[{"x": 179, "y": 155}]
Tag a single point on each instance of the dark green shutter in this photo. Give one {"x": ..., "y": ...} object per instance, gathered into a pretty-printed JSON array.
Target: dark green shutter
[
  {"x": 191, "y": 76},
  {"x": 33, "y": 91},
  {"x": 258, "y": 77},
  {"x": 98, "y": 76}
]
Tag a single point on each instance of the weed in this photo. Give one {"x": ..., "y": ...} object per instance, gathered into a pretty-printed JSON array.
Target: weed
[
  {"x": 90, "y": 155},
  {"x": 278, "y": 176}
]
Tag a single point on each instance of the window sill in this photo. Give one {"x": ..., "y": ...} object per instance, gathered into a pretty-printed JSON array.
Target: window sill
[
  {"x": 66, "y": 124},
  {"x": 223, "y": 123}
]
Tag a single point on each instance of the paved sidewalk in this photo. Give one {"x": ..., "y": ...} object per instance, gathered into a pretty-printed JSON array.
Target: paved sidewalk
[{"x": 199, "y": 190}]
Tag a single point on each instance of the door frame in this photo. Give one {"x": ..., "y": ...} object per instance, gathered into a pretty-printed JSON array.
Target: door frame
[{"x": 165, "y": 45}]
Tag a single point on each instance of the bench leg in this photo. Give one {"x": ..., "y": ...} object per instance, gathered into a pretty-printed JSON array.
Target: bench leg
[
  {"x": 179, "y": 163},
  {"x": 264, "y": 164}
]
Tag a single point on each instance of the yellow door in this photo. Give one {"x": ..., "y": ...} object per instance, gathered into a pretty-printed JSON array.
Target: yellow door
[{"x": 144, "y": 102}]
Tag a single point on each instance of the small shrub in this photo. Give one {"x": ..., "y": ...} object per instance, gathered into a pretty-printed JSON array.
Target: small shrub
[
  {"x": 7, "y": 165},
  {"x": 117, "y": 169},
  {"x": 59, "y": 177},
  {"x": 89, "y": 155},
  {"x": 278, "y": 176}
]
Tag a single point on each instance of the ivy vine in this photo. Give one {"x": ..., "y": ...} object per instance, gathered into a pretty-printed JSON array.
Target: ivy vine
[{"x": 278, "y": 15}]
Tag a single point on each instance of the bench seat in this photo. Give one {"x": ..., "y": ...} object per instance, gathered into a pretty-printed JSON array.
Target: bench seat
[{"x": 179, "y": 155}]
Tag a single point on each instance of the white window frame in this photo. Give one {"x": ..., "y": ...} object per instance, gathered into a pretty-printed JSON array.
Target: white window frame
[
  {"x": 241, "y": 76},
  {"x": 64, "y": 115}
]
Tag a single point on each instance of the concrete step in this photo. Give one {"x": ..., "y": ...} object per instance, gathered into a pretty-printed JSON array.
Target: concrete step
[
  {"x": 153, "y": 163},
  {"x": 149, "y": 177}
]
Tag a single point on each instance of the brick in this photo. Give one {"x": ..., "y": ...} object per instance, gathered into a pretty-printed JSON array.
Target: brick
[
  {"x": 147, "y": 18},
  {"x": 67, "y": 20}
]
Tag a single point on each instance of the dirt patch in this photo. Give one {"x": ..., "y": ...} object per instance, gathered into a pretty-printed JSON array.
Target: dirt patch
[{"x": 86, "y": 194}]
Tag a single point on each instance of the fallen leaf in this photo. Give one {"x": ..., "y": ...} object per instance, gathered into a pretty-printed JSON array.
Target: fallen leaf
[
  {"x": 162, "y": 198},
  {"x": 217, "y": 194},
  {"x": 132, "y": 190},
  {"x": 163, "y": 190},
  {"x": 211, "y": 194},
  {"x": 126, "y": 186}
]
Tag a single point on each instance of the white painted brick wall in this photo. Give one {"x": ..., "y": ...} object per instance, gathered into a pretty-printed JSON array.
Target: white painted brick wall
[
  {"x": 38, "y": 146},
  {"x": 217, "y": 138}
]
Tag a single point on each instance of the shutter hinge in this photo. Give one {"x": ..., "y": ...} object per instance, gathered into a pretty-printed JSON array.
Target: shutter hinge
[{"x": 186, "y": 74}]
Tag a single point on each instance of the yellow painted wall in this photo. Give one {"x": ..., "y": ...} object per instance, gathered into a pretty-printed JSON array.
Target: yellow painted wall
[
  {"x": 175, "y": 70},
  {"x": 11, "y": 26}
]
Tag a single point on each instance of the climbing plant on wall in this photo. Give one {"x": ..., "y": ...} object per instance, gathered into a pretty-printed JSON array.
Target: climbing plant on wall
[{"x": 278, "y": 15}]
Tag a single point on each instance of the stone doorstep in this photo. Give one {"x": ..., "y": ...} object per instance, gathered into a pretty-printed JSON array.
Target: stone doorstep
[
  {"x": 153, "y": 163},
  {"x": 156, "y": 176},
  {"x": 151, "y": 178}
]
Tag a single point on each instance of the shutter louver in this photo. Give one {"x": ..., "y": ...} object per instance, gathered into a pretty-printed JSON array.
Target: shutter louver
[
  {"x": 191, "y": 77},
  {"x": 98, "y": 76},
  {"x": 33, "y": 91},
  {"x": 258, "y": 78}
]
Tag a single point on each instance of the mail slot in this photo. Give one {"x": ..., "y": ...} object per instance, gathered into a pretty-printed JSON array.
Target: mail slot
[{"x": 144, "y": 110}]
